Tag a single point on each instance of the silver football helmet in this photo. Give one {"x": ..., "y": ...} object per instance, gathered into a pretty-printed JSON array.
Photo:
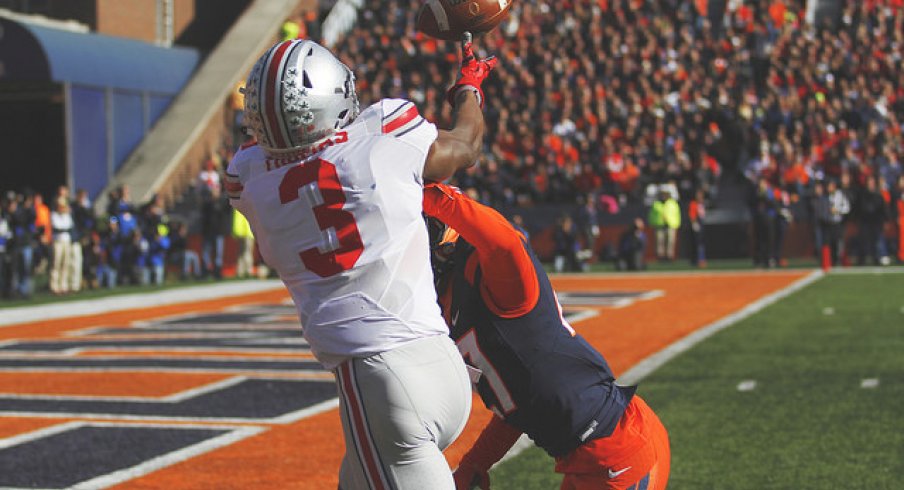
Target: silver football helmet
[{"x": 296, "y": 95}]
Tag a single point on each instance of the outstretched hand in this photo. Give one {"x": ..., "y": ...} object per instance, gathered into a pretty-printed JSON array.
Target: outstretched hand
[{"x": 472, "y": 73}]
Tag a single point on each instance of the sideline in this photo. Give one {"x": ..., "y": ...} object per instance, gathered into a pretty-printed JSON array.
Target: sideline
[
  {"x": 646, "y": 367},
  {"x": 885, "y": 269},
  {"x": 188, "y": 294}
]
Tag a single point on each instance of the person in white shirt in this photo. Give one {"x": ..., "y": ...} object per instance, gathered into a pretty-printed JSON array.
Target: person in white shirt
[
  {"x": 208, "y": 177},
  {"x": 61, "y": 224},
  {"x": 334, "y": 199}
]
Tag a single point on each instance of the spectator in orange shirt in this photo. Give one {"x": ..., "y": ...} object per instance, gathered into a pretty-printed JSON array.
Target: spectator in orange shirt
[
  {"x": 777, "y": 13},
  {"x": 44, "y": 233},
  {"x": 42, "y": 219},
  {"x": 697, "y": 215}
]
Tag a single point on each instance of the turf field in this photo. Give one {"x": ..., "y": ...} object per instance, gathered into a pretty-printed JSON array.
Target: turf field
[
  {"x": 806, "y": 394},
  {"x": 212, "y": 386}
]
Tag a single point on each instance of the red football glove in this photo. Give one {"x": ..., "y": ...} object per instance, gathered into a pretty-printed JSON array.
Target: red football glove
[
  {"x": 468, "y": 476},
  {"x": 472, "y": 73}
]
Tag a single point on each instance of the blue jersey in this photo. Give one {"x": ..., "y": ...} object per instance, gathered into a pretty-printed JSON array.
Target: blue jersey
[{"x": 535, "y": 372}]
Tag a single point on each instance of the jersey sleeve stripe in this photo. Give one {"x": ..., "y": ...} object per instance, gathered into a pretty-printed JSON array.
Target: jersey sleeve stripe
[
  {"x": 395, "y": 111},
  {"x": 400, "y": 120},
  {"x": 411, "y": 128},
  {"x": 233, "y": 186},
  {"x": 234, "y": 191}
]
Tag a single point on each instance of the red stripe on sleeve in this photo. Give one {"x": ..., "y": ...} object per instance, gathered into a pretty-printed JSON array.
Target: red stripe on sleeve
[{"x": 400, "y": 120}]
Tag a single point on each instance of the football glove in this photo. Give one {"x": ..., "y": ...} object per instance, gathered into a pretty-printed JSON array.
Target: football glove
[{"x": 472, "y": 73}]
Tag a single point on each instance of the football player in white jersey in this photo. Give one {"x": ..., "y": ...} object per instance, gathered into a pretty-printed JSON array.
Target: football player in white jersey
[{"x": 334, "y": 199}]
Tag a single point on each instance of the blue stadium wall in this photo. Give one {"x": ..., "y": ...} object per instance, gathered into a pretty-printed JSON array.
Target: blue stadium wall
[{"x": 114, "y": 90}]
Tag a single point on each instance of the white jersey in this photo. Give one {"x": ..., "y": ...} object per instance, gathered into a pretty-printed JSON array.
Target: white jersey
[{"x": 343, "y": 228}]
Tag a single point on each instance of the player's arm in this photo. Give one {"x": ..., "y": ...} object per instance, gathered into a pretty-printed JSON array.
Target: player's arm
[
  {"x": 509, "y": 282},
  {"x": 459, "y": 147},
  {"x": 495, "y": 440}
]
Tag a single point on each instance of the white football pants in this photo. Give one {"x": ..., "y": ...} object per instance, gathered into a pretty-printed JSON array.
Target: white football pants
[{"x": 400, "y": 409}]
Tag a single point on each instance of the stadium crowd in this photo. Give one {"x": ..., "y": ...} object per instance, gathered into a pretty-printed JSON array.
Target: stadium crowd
[
  {"x": 596, "y": 104},
  {"x": 614, "y": 100},
  {"x": 64, "y": 246}
]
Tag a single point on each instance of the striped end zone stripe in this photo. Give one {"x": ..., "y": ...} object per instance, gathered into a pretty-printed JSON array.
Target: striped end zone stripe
[{"x": 357, "y": 421}]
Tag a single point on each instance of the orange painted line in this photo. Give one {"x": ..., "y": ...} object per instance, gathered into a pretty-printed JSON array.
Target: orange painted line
[
  {"x": 194, "y": 354},
  {"x": 150, "y": 384},
  {"x": 626, "y": 336},
  {"x": 10, "y": 427},
  {"x": 54, "y": 328}
]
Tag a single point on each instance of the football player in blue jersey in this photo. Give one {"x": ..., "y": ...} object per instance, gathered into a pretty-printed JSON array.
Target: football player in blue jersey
[{"x": 529, "y": 366}]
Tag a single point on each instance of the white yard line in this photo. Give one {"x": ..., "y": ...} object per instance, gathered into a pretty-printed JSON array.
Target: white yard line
[
  {"x": 650, "y": 364},
  {"x": 66, "y": 309}
]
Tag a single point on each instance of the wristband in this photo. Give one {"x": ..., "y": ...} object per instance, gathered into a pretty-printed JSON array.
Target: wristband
[{"x": 472, "y": 89}]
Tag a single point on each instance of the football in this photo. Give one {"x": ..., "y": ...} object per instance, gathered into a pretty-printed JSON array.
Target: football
[{"x": 449, "y": 19}]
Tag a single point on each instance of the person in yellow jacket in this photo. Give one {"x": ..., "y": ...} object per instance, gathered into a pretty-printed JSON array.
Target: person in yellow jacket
[
  {"x": 291, "y": 29},
  {"x": 241, "y": 230},
  {"x": 665, "y": 219}
]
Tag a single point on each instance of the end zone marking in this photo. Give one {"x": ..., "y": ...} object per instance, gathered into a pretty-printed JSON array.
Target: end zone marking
[
  {"x": 655, "y": 361},
  {"x": 236, "y": 434},
  {"x": 115, "y": 303},
  {"x": 747, "y": 385},
  {"x": 580, "y": 315}
]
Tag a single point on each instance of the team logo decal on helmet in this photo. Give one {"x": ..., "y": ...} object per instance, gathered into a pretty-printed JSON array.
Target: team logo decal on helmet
[{"x": 296, "y": 95}]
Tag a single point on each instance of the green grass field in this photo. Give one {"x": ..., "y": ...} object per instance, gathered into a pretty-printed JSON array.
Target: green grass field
[{"x": 807, "y": 424}]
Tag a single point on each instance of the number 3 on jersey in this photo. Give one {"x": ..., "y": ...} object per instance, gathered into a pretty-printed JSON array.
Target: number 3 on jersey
[
  {"x": 470, "y": 350},
  {"x": 342, "y": 240}
]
